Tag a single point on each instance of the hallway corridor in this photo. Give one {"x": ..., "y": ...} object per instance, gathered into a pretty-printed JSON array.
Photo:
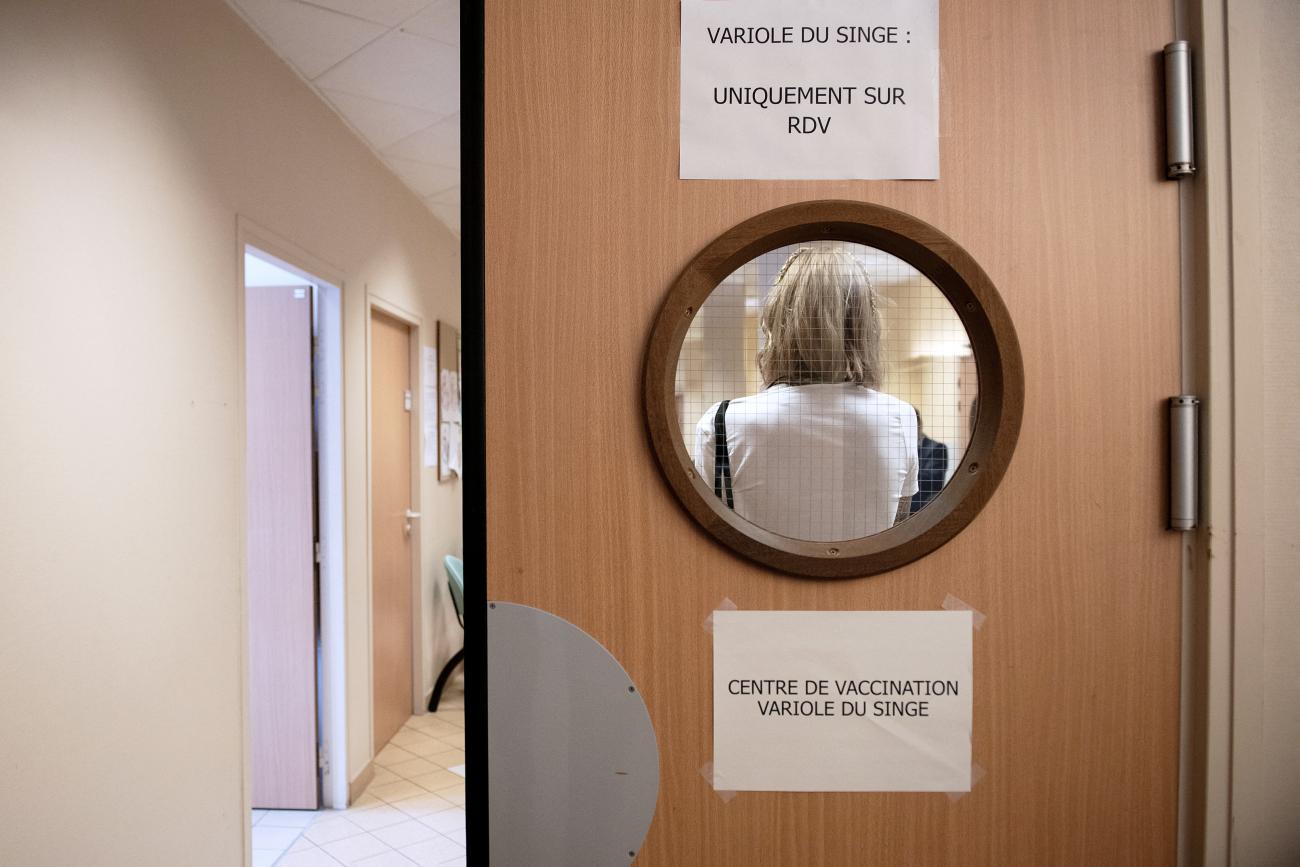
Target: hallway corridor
[{"x": 411, "y": 813}]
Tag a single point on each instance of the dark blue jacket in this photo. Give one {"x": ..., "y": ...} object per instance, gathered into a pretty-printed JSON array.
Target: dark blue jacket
[{"x": 933, "y": 467}]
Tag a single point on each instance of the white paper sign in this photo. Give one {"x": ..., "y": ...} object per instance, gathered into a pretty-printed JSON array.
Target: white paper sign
[
  {"x": 455, "y": 462},
  {"x": 449, "y": 445},
  {"x": 814, "y": 89},
  {"x": 449, "y": 387},
  {"x": 842, "y": 701},
  {"x": 429, "y": 405}
]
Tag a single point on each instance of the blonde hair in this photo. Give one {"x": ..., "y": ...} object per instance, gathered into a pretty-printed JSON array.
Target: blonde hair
[{"x": 820, "y": 322}]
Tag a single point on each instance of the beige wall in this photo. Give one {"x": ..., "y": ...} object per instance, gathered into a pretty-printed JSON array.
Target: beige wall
[
  {"x": 1265, "y": 210},
  {"x": 132, "y": 135}
]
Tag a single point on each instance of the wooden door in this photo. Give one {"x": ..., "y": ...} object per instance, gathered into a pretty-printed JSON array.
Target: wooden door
[
  {"x": 1051, "y": 179},
  {"x": 281, "y": 565},
  {"x": 390, "y": 537}
]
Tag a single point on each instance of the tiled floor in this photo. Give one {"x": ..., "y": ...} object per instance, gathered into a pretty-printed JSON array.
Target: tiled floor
[{"x": 411, "y": 813}]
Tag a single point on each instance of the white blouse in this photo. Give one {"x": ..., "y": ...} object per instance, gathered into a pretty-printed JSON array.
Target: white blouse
[{"x": 826, "y": 462}]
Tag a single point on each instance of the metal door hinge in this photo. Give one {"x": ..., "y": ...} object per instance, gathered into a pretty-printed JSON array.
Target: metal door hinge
[
  {"x": 322, "y": 760},
  {"x": 1184, "y": 461},
  {"x": 316, "y": 551},
  {"x": 406, "y": 400},
  {"x": 1179, "y": 133}
]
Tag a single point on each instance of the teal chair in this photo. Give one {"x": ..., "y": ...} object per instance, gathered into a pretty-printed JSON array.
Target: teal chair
[{"x": 456, "y": 584}]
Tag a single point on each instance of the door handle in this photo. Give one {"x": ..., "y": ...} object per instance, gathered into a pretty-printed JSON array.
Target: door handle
[{"x": 410, "y": 514}]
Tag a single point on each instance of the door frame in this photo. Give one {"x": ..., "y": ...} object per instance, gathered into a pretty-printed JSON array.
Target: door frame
[
  {"x": 473, "y": 294},
  {"x": 415, "y": 323},
  {"x": 1224, "y": 583},
  {"x": 1206, "y": 665},
  {"x": 331, "y": 698}
]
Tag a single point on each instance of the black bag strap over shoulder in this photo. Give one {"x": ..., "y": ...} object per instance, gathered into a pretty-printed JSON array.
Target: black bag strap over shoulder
[{"x": 721, "y": 460}]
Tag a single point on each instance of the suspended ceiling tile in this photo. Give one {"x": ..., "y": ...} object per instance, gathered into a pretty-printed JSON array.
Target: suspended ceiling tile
[
  {"x": 380, "y": 123},
  {"x": 309, "y": 38},
  {"x": 424, "y": 178},
  {"x": 449, "y": 214},
  {"x": 438, "y": 143},
  {"x": 440, "y": 21},
  {"x": 446, "y": 197},
  {"x": 387, "y": 12},
  {"x": 401, "y": 69}
]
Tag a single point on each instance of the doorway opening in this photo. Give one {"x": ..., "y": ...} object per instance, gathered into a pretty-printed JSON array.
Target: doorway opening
[
  {"x": 397, "y": 621},
  {"x": 294, "y": 535}
]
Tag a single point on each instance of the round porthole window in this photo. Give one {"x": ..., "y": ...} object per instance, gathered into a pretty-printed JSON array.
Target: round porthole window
[{"x": 833, "y": 388}]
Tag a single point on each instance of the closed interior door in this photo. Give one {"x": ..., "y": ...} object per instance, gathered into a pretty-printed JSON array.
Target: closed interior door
[
  {"x": 1051, "y": 178},
  {"x": 390, "y": 539},
  {"x": 281, "y": 567}
]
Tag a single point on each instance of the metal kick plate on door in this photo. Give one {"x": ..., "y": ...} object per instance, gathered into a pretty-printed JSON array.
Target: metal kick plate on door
[{"x": 574, "y": 775}]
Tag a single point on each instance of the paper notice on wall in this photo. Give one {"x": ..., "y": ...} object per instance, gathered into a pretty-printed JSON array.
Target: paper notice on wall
[
  {"x": 818, "y": 89},
  {"x": 430, "y": 445},
  {"x": 449, "y": 447},
  {"x": 444, "y": 446},
  {"x": 842, "y": 701},
  {"x": 455, "y": 449},
  {"x": 449, "y": 388},
  {"x": 429, "y": 404}
]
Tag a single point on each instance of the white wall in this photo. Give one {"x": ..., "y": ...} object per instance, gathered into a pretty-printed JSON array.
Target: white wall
[{"x": 131, "y": 137}]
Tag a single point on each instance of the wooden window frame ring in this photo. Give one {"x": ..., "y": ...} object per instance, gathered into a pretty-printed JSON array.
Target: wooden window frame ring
[{"x": 993, "y": 343}]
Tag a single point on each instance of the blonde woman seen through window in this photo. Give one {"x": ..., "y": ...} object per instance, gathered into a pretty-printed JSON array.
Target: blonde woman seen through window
[{"x": 819, "y": 454}]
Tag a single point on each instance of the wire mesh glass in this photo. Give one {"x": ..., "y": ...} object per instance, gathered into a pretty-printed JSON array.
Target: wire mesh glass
[{"x": 826, "y": 390}]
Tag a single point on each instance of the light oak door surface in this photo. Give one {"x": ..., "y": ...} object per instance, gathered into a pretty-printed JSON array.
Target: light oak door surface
[
  {"x": 1051, "y": 178},
  {"x": 390, "y": 540},
  {"x": 281, "y": 568}
]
